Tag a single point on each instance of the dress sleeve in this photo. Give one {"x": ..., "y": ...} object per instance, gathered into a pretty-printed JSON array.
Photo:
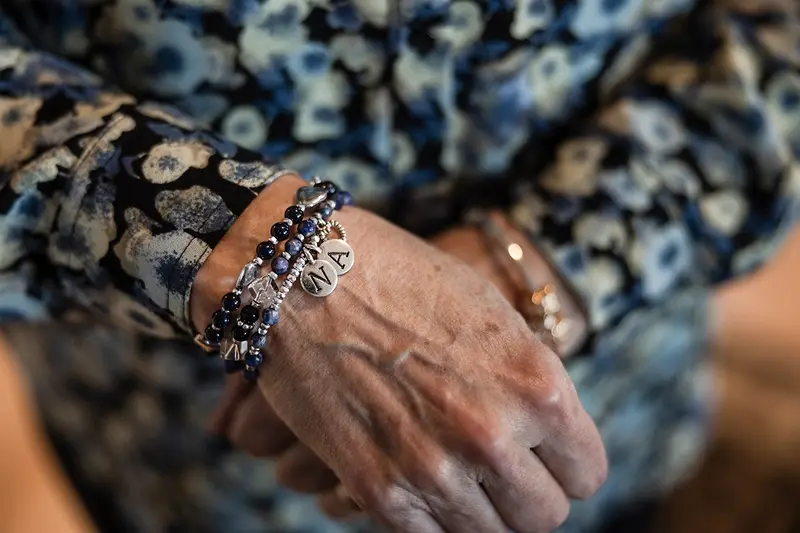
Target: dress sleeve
[
  {"x": 106, "y": 202},
  {"x": 686, "y": 177}
]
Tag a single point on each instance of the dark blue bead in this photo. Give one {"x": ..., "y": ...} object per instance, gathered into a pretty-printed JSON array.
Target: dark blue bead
[
  {"x": 280, "y": 265},
  {"x": 221, "y": 319},
  {"x": 231, "y": 367},
  {"x": 265, "y": 250},
  {"x": 308, "y": 227},
  {"x": 254, "y": 360},
  {"x": 281, "y": 231},
  {"x": 213, "y": 335},
  {"x": 251, "y": 376},
  {"x": 258, "y": 340},
  {"x": 329, "y": 187},
  {"x": 326, "y": 211},
  {"x": 249, "y": 314},
  {"x": 294, "y": 213},
  {"x": 293, "y": 246},
  {"x": 343, "y": 198},
  {"x": 239, "y": 334},
  {"x": 231, "y": 302},
  {"x": 271, "y": 316}
]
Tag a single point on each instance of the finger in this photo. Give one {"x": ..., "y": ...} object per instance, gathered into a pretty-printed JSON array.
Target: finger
[
  {"x": 258, "y": 430},
  {"x": 573, "y": 452},
  {"x": 467, "y": 509},
  {"x": 236, "y": 389},
  {"x": 525, "y": 494},
  {"x": 338, "y": 504},
  {"x": 301, "y": 470}
]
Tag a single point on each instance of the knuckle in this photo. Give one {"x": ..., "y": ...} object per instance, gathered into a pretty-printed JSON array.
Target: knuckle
[
  {"x": 382, "y": 498},
  {"x": 433, "y": 474},
  {"x": 495, "y": 447}
]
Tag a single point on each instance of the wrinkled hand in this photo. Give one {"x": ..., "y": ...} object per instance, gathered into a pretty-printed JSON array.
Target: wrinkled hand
[{"x": 422, "y": 389}]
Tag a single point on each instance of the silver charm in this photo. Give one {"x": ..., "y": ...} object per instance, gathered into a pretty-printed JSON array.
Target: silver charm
[
  {"x": 339, "y": 254},
  {"x": 319, "y": 278},
  {"x": 230, "y": 350},
  {"x": 247, "y": 275},
  {"x": 311, "y": 196},
  {"x": 262, "y": 290}
]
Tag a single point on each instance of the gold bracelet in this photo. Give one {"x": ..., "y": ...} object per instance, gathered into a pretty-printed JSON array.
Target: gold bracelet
[{"x": 538, "y": 304}]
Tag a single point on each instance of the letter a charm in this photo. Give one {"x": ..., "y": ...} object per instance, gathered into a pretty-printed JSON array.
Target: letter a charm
[
  {"x": 319, "y": 278},
  {"x": 339, "y": 254}
]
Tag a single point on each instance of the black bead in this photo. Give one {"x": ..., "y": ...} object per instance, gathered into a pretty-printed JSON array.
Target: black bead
[
  {"x": 231, "y": 367},
  {"x": 330, "y": 187},
  {"x": 213, "y": 335},
  {"x": 221, "y": 319},
  {"x": 239, "y": 334},
  {"x": 251, "y": 376},
  {"x": 294, "y": 213},
  {"x": 266, "y": 250},
  {"x": 231, "y": 301},
  {"x": 281, "y": 231},
  {"x": 249, "y": 314}
]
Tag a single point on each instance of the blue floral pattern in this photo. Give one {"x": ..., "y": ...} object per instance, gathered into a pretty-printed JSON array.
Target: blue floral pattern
[{"x": 650, "y": 148}]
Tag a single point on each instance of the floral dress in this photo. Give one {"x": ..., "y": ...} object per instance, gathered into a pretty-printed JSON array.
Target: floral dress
[{"x": 649, "y": 148}]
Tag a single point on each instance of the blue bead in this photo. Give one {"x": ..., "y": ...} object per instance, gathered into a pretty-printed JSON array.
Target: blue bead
[
  {"x": 281, "y": 231},
  {"x": 343, "y": 198},
  {"x": 271, "y": 316},
  {"x": 329, "y": 186},
  {"x": 293, "y": 246},
  {"x": 231, "y": 367},
  {"x": 266, "y": 250},
  {"x": 326, "y": 211},
  {"x": 308, "y": 227},
  {"x": 251, "y": 376},
  {"x": 258, "y": 340},
  {"x": 221, "y": 319},
  {"x": 213, "y": 335},
  {"x": 280, "y": 265},
  {"x": 294, "y": 213},
  {"x": 240, "y": 334},
  {"x": 254, "y": 360},
  {"x": 231, "y": 302}
]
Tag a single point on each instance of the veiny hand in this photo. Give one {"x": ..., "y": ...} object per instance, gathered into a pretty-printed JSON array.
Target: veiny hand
[{"x": 420, "y": 387}]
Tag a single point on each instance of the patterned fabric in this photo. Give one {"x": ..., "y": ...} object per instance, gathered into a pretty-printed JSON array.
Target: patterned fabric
[{"x": 650, "y": 147}]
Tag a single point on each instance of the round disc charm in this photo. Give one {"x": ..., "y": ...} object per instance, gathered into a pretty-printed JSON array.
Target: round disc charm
[
  {"x": 339, "y": 254},
  {"x": 319, "y": 278}
]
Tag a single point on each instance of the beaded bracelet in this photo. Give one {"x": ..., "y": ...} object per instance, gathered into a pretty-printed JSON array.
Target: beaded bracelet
[
  {"x": 253, "y": 359},
  {"x": 319, "y": 277}
]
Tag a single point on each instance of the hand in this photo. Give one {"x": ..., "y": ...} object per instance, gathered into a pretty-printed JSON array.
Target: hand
[{"x": 422, "y": 388}]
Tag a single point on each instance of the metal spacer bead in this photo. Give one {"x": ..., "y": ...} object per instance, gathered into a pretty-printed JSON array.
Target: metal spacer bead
[
  {"x": 273, "y": 275},
  {"x": 258, "y": 261},
  {"x": 286, "y": 255},
  {"x": 273, "y": 240}
]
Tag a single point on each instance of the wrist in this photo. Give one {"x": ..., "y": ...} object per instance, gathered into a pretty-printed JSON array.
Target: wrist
[{"x": 218, "y": 274}]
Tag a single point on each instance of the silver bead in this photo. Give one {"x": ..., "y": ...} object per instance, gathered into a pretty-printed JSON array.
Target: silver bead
[
  {"x": 286, "y": 255},
  {"x": 273, "y": 240},
  {"x": 273, "y": 275}
]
